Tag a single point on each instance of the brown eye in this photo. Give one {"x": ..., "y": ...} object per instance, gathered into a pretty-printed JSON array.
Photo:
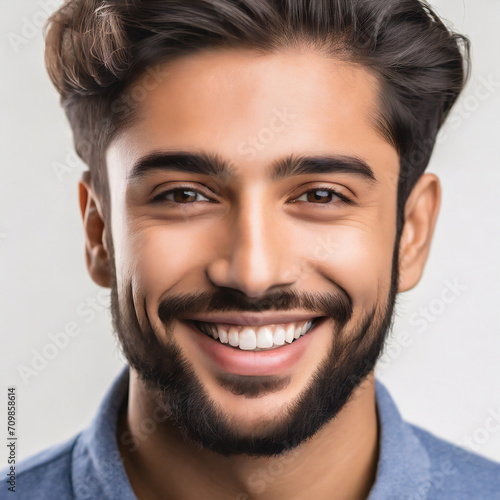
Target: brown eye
[
  {"x": 180, "y": 195},
  {"x": 321, "y": 196},
  {"x": 183, "y": 195}
]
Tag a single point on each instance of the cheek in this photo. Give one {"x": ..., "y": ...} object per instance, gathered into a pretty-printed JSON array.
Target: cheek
[
  {"x": 360, "y": 261},
  {"x": 161, "y": 256}
]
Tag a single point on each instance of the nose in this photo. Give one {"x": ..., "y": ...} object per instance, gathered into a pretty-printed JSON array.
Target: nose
[{"x": 255, "y": 256}]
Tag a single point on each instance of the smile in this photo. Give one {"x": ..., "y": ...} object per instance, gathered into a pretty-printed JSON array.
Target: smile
[{"x": 251, "y": 338}]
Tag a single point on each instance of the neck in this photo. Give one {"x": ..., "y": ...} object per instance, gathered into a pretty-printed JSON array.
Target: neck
[{"x": 339, "y": 462}]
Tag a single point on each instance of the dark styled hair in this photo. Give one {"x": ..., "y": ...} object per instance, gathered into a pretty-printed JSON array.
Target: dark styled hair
[{"x": 95, "y": 49}]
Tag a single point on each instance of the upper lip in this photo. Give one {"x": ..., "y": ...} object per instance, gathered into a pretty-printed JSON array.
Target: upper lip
[{"x": 255, "y": 319}]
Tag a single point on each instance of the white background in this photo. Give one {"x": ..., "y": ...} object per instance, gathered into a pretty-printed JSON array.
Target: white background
[{"x": 443, "y": 365}]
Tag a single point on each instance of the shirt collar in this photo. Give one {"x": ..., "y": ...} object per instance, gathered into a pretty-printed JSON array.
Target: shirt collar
[
  {"x": 404, "y": 467},
  {"x": 97, "y": 469}
]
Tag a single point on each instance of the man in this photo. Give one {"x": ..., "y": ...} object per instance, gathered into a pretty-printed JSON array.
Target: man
[{"x": 253, "y": 308}]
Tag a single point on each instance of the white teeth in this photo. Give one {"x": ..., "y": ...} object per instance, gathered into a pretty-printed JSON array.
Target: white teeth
[
  {"x": 223, "y": 337},
  {"x": 233, "y": 336},
  {"x": 247, "y": 339},
  {"x": 289, "y": 334},
  {"x": 279, "y": 336},
  {"x": 306, "y": 327},
  {"x": 297, "y": 333},
  {"x": 264, "y": 337}
]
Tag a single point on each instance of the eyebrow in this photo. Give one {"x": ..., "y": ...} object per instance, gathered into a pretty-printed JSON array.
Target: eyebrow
[{"x": 212, "y": 164}]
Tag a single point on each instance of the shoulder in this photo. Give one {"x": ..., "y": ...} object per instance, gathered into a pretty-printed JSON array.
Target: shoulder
[
  {"x": 456, "y": 472},
  {"x": 45, "y": 475}
]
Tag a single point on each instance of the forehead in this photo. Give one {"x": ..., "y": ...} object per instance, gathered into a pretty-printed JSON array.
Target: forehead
[{"x": 252, "y": 108}]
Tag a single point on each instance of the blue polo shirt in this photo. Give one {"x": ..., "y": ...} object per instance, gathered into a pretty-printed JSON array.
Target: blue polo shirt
[{"x": 413, "y": 464}]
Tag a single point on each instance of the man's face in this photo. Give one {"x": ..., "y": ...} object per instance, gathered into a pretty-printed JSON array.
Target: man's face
[{"x": 249, "y": 241}]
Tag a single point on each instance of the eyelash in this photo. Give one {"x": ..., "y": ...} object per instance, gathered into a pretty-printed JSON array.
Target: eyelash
[{"x": 160, "y": 199}]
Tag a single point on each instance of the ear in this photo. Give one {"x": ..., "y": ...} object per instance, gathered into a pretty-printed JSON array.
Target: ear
[
  {"x": 421, "y": 211},
  {"x": 96, "y": 253}
]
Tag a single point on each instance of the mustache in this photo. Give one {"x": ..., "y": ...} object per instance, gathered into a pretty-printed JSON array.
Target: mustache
[{"x": 336, "y": 305}]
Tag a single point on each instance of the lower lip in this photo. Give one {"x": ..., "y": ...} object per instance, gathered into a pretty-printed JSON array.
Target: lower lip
[{"x": 240, "y": 362}]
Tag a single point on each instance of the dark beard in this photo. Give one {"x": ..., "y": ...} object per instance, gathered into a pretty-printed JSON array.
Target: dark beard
[{"x": 182, "y": 398}]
